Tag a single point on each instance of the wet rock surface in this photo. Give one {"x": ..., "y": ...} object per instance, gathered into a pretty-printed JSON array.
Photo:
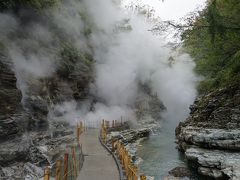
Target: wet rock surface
[
  {"x": 19, "y": 171},
  {"x": 210, "y": 137},
  {"x": 180, "y": 172},
  {"x": 130, "y": 138},
  {"x": 26, "y": 156},
  {"x": 131, "y": 135},
  {"x": 216, "y": 163}
]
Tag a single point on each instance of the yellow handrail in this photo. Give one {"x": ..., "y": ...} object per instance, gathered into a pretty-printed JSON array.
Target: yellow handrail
[
  {"x": 73, "y": 163},
  {"x": 46, "y": 173},
  {"x": 122, "y": 154},
  {"x": 65, "y": 166},
  {"x": 58, "y": 170},
  {"x": 143, "y": 177}
]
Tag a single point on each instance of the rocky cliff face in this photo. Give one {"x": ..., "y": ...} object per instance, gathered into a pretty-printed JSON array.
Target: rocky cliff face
[
  {"x": 62, "y": 86},
  {"x": 26, "y": 143},
  {"x": 10, "y": 101},
  {"x": 45, "y": 60},
  {"x": 210, "y": 137},
  {"x": 148, "y": 106}
]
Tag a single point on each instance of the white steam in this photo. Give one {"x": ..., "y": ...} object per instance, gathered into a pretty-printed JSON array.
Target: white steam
[
  {"x": 33, "y": 47},
  {"x": 126, "y": 54},
  {"x": 128, "y": 57}
]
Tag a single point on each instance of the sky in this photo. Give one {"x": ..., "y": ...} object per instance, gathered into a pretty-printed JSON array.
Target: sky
[{"x": 172, "y": 9}]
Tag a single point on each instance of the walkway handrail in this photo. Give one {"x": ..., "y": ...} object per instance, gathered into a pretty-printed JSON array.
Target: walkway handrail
[
  {"x": 120, "y": 170},
  {"x": 122, "y": 156},
  {"x": 71, "y": 164}
]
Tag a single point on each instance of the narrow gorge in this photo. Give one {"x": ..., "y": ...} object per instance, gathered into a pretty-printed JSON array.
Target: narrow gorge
[{"x": 167, "y": 70}]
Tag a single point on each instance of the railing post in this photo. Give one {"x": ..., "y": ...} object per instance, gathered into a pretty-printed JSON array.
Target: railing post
[
  {"x": 80, "y": 158},
  {"x": 103, "y": 123},
  {"x": 65, "y": 177},
  {"x": 135, "y": 175},
  {"x": 113, "y": 125},
  {"x": 46, "y": 173},
  {"x": 74, "y": 162},
  {"x": 81, "y": 127},
  {"x": 143, "y": 177},
  {"x": 127, "y": 163},
  {"x": 107, "y": 125},
  {"x": 113, "y": 145},
  {"x": 120, "y": 152},
  {"x": 104, "y": 135},
  {"x": 78, "y": 134},
  {"x": 58, "y": 170},
  {"x": 129, "y": 172},
  {"x": 123, "y": 155}
]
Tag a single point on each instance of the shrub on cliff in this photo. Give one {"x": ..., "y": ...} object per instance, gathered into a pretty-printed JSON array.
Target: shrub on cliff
[
  {"x": 213, "y": 39},
  {"x": 36, "y": 4}
]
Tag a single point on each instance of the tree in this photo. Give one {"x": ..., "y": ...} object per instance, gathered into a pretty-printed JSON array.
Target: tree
[{"x": 212, "y": 38}]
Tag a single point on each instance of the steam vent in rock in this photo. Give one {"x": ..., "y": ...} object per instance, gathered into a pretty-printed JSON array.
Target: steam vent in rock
[{"x": 119, "y": 89}]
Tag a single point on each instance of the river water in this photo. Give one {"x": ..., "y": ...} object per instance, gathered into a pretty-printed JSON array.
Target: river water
[{"x": 159, "y": 153}]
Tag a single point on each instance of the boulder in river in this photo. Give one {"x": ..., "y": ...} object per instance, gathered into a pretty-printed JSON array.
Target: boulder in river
[{"x": 180, "y": 172}]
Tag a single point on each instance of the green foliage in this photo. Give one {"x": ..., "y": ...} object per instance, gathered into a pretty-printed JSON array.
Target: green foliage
[
  {"x": 213, "y": 42},
  {"x": 36, "y": 4},
  {"x": 40, "y": 4},
  {"x": 4, "y": 5},
  {"x": 1, "y": 46},
  {"x": 89, "y": 25},
  {"x": 70, "y": 58}
]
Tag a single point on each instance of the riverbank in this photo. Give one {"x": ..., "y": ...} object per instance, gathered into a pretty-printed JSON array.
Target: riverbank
[
  {"x": 153, "y": 149},
  {"x": 159, "y": 154},
  {"x": 26, "y": 156},
  {"x": 210, "y": 137}
]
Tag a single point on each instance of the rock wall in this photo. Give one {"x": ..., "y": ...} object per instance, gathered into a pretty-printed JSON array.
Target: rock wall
[
  {"x": 42, "y": 64},
  {"x": 210, "y": 137},
  {"x": 26, "y": 141},
  {"x": 148, "y": 106},
  {"x": 10, "y": 101},
  {"x": 43, "y": 94}
]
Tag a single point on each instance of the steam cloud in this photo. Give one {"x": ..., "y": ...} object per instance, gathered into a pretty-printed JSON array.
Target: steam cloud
[
  {"x": 126, "y": 54},
  {"x": 128, "y": 57}
]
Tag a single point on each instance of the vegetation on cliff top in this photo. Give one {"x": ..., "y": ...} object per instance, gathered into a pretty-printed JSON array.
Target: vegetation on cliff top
[
  {"x": 212, "y": 39},
  {"x": 36, "y": 4},
  {"x": 51, "y": 22}
]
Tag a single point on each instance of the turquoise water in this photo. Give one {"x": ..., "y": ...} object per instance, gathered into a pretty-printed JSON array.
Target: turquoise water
[{"x": 159, "y": 153}]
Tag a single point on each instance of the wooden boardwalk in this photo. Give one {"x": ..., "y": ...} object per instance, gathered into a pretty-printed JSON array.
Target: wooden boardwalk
[{"x": 99, "y": 163}]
